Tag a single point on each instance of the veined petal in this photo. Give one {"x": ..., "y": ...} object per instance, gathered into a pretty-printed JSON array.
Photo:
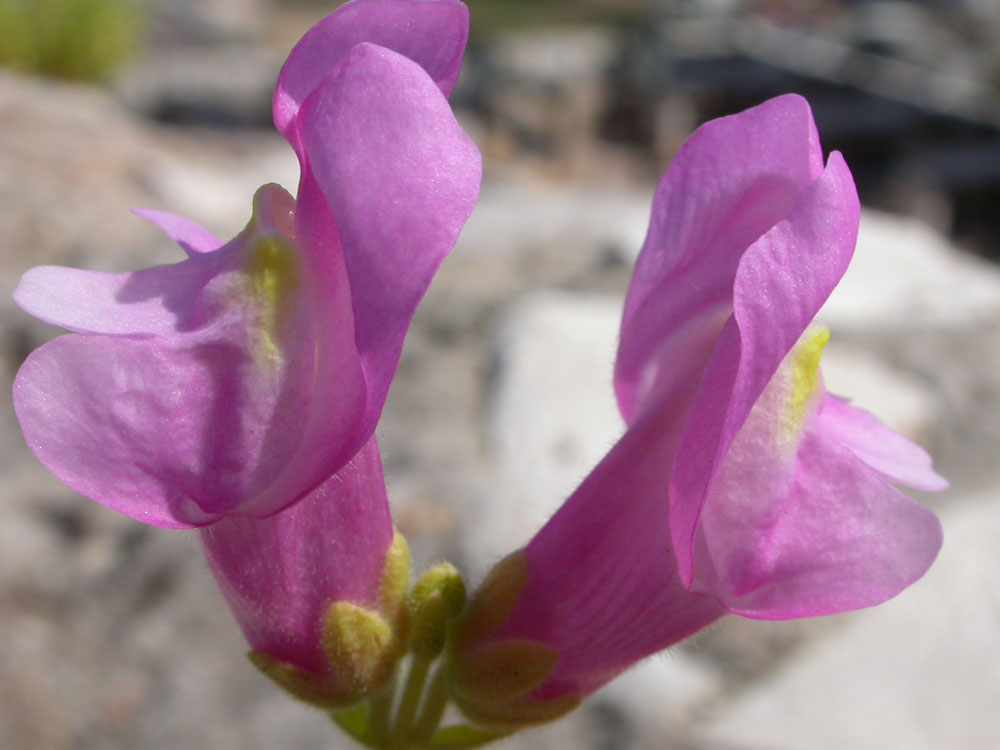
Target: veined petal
[
  {"x": 432, "y": 33},
  {"x": 729, "y": 184},
  {"x": 400, "y": 178},
  {"x": 880, "y": 447},
  {"x": 279, "y": 574},
  {"x": 781, "y": 282},
  {"x": 335, "y": 427},
  {"x": 178, "y": 429},
  {"x": 164, "y": 432},
  {"x": 192, "y": 237},
  {"x": 827, "y": 535},
  {"x": 603, "y": 588},
  {"x": 147, "y": 302}
]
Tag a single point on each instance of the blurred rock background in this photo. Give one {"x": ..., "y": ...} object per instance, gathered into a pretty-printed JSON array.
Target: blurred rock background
[{"x": 113, "y": 635}]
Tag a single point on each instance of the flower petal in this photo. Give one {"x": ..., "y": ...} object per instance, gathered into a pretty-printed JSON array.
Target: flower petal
[
  {"x": 335, "y": 427},
  {"x": 880, "y": 447},
  {"x": 280, "y": 574},
  {"x": 603, "y": 587},
  {"x": 150, "y": 301},
  {"x": 192, "y": 237},
  {"x": 729, "y": 184},
  {"x": 401, "y": 179},
  {"x": 781, "y": 282},
  {"x": 827, "y": 535},
  {"x": 178, "y": 429},
  {"x": 433, "y": 33}
]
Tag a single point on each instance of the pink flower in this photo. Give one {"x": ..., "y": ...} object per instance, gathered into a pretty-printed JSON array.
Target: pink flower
[
  {"x": 294, "y": 579},
  {"x": 740, "y": 485},
  {"x": 239, "y": 380}
]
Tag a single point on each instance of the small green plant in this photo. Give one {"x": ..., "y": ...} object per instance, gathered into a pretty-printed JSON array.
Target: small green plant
[{"x": 76, "y": 39}]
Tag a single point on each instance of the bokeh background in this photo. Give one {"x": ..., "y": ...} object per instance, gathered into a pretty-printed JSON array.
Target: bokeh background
[{"x": 112, "y": 635}]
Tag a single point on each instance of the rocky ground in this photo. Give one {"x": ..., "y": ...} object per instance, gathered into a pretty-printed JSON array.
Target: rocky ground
[{"x": 115, "y": 637}]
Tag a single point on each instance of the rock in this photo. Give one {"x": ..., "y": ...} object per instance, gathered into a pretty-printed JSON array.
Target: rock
[
  {"x": 922, "y": 671},
  {"x": 906, "y": 276},
  {"x": 513, "y": 215},
  {"x": 552, "y": 416},
  {"x": 899, "y": 399},
  {"x": 225, "y": 85},
  {"x": 217, "y": 189}
]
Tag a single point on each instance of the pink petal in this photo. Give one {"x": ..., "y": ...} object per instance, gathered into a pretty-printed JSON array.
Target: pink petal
[
  {"x": 603, "y": 587},
  {"x": 151, "y": 301},
  {"x": 401, "y": 179},
  {"x": 830, "y": 535},
  {"x": 171, "y": 432},
  {"x": 433, "y": 33},
  {"x": 193, "y": 238},
  {"x": 280, "y": 574},
  {"x": 335, "y": 427},
  {"x": 178, "y": 428},
  {"x": 781, "y": 282},
  {"x": 729, "y": 184},
  {"x": 880, "y": 447}
]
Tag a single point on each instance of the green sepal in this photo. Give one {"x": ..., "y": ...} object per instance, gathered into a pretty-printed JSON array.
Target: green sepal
[
  {"x": 464, "y": 737},
  {"x": 395, "y": 586},
  {"x": 317, "y": 690},
  {"x": 492, "y": 603},
  {"x": 361, "y": 647},
  {"x": 436, "y": 599},
  {"x": 501, "y": 672},
  {"x": 517, "y": 714}
]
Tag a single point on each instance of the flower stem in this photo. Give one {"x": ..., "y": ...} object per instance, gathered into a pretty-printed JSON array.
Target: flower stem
[
  {"x": 435, "y": 701},
  {"x": 380, "y": 713},
  {"x": 399, "y": 738}
]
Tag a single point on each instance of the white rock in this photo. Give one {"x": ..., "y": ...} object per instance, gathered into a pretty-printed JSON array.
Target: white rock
[
  {"x": 220, "y": 195},
  {"x": 901, "y": 401},
  {"x": 512, "y": 216},
  {"x": 921, "y": 672},
  {"x": 905, "y": 275},
  {"x": 557, "y": 57},
  {"x": 553, "y": 415}
]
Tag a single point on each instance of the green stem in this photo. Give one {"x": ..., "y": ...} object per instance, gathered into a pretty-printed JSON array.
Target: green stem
[
  {"x": 435, "y": 702},
  {"x": 354, "y": 722},
  {"x": 400, "y": 736},
  {"x": 380, "y": 713}
]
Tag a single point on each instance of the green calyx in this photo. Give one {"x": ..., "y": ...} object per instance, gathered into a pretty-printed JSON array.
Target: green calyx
[
  {"x": 492, "y": 678},
  {"x": 436, "y": 599}
]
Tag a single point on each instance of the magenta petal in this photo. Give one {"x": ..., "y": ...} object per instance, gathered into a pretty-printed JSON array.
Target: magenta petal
[
  {"x": 729, "y": 184},
  {"x": 193, "y": 238},
  {"x": 126, "y": 422},
  {"x": 838, "y": 537},
  {"x": 151, "y": 301},
  {"x": 180, "y": 427},
  {"x": 401, "y": 179},
  {"x": 781, "y": 282},
  {"x": 280, "y": 574},
  {"x": 433, "y": 33},
  {"x": 335, "y": 428},
  {"x": 882, "y": 448},
  {"x": 603, "y": 587}
]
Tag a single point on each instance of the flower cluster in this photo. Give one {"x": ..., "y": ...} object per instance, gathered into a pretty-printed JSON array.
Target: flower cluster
[{"x": 238, "y": 392}]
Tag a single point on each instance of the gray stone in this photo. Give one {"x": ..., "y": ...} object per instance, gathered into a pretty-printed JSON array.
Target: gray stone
[
  {"x": 905, "y": 275},
  {"x": 552, "y": 416}
]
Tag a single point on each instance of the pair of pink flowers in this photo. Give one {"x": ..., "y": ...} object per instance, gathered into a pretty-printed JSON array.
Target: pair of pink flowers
[{"x": 238, "y": 391}]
